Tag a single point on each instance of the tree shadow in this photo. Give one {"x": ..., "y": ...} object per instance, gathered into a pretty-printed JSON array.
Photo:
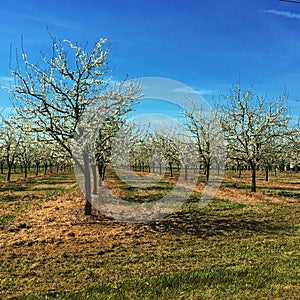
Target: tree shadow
[{"x": 204, "y": 224}]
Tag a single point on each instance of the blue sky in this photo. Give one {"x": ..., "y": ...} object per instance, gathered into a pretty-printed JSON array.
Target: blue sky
[{"x": 207, "y": 45}]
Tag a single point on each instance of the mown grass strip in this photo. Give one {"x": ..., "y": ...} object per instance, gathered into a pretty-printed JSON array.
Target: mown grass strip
[{"x": 236, "y": 282}]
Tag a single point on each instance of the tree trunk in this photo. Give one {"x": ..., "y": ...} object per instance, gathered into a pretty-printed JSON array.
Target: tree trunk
[
  {"x": 186, "y": 172},
  {"x": 10, "y": 163},
  {"x": 95, "y": 181},
  {"x": 100, "y": 172},
  {"x": 25, "y": 170},
  {"x": 267, "y": 173},
  {"x": 37, "y": 168},
  {"x": 207, "y": 171},
  {"x": 171, "y": 169},
  {"x": 240, "y": 171},
  {"x": 9, "y": 166},
  {"x": 87, "y": 185},
  {"x": 253, "y": 186}
]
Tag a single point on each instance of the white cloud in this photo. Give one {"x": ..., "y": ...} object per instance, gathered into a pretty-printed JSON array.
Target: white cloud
[
  {"x": 190, "y": 90},
  {"x": 286, "y": 14},
  {"x": 206, "y": 92}
]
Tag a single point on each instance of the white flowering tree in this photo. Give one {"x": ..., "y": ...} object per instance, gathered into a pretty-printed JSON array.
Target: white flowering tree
[
  {"x": 167, "y": 144},
  {"x": 9, "y": 141},
  {"x": 2, "y": 154},
  {"x": 293, "y": 146},
  {"x": 55, "y": 93},
  {"x": 253, "y": 127},
  {"x": 206, "y": 130},
  {"x": 26, "y": 152}
]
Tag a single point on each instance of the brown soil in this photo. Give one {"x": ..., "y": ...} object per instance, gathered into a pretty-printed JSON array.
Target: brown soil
[{"x": 58, "y": 226}]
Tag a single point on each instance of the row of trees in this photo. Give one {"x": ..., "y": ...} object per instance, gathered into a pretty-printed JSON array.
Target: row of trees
[
  {"x": 51, "y": 100},
  {"x": 257, "y": 131},
  {"x": 28, "y": 152}
]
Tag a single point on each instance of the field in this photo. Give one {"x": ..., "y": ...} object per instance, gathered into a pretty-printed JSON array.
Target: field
[{"x": 242, "y": 245}]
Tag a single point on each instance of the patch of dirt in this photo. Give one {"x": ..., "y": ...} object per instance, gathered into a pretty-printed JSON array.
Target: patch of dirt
[
  {"x": 59, "y": 225},
  {"x": 246, "y": 196}
]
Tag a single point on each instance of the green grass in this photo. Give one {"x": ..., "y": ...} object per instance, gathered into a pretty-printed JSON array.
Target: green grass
[
  {"x": 23, "y": 192},
  {"x": 63, "y": 182},
  {"x": 5, "y": 219},
  {"x": 138, "y": 195},
  {"x": 248, "y": 282},
  {"x": 224, "y": 250}
]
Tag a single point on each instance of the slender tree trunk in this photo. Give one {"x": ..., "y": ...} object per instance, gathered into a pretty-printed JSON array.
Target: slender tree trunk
[
  {"x": 10, "y": 162},
  {"x": 87, "y": 185},
  {"x": 95, "y": 181},
  {"x": 9, "y": 166},
  {"x": 171, "y": 169},
  {"x": 267, "y": 172},
  {"x": 186, "y": 172},
  {"x": 253, "y": 170},
  {"x": 207, "y": 171},
  {"x": 103, "y": 173},
  {"x": 37, "y": 168},
  {"x": 240, "y": 170},
  {"x": 100, "y": 173},
  {"x": 25, "y": 170}
]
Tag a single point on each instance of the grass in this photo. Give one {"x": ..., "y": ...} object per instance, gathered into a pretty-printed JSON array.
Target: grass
[
  {"x": 18, "y": 195},
  {"x": 253, "y": 282},
  {"x": 224, "y": 250},
  {"x": 5, "y": 219}
]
